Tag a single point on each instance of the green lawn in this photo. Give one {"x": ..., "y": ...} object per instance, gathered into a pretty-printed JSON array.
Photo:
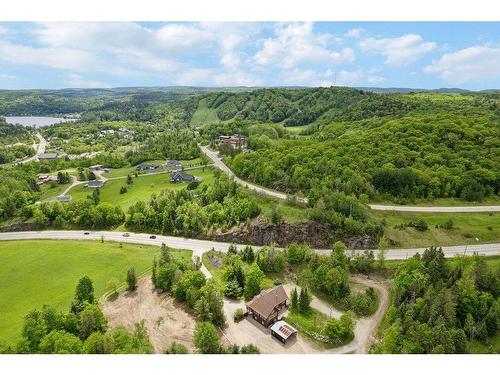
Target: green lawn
[
  {"x": 141, "y": 189},
  {"x": 38, "y": 272},
  {"x": 49, "y": 191},
  {"x": 453, "y": 202},
  {"x": 467, "y": 227},
  {"x": 203, "y": 114}
]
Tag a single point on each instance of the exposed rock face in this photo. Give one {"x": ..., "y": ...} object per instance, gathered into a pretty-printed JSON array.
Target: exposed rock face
[
  {"x": 315, "y": 234},
  {"x": 20, "y": 227}
]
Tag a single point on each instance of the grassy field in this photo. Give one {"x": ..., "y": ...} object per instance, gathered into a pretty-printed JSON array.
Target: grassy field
[
  {"x": 141, "y": 189},
  {"x": 203, "y": 114},
  {"x": 49, "y": 191},
  {"x": 452, "y": 202},
  {"x": 466, "y": 228},
  {"x": 34, "y": 273}
]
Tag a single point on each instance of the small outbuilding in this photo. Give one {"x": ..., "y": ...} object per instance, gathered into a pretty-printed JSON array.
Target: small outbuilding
[
  {"x": 94, "y": 184},
  {"x": 49, "y": 156},
  {"x": 267, "y": 306},
  {"x": 283, "y": 331}
]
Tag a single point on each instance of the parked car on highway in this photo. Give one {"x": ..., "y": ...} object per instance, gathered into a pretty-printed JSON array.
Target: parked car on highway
[
  {"x": 86, "y": 233},
  {"x": 126, "y": 234},
  {"x": 152, "y": 237}
]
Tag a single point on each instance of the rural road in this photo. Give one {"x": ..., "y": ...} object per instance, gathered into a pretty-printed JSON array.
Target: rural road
[
  {"x": 40, "y": 150},
  {"x": 379, "y": 207},
  {"x": 200, "y": 246}
]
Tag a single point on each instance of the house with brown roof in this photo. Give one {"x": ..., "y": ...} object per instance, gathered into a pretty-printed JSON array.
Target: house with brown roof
[{"x": 267, "y": 306}]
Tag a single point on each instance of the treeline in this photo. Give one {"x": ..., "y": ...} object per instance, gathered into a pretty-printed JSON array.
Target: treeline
[
  {"x": 441, "y": 307},
  {"x": 83, "y": 213},
  {"x": 15, "y": 152},
  {"x": 11, "y": 134},
  {"x": 81, "y": 330},
  {"x": 218, "y": 205}
]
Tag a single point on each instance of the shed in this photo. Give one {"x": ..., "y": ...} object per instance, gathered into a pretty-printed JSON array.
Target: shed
[
  {"x": 283, "y": 331},
  {"x": 94, "y": 184}
]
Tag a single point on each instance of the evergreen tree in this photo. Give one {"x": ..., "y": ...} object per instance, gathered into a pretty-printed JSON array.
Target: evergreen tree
[
  {"x": 294, "y": 298},
  {"x": 304, "y": 300},
  {"x": 131, "y": 279}
]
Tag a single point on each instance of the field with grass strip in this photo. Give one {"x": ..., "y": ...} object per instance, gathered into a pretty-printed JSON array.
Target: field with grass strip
[
  {"x": 34, "y": 273},
  {"x": 466, "y": 228},
  {"x": 141, "y": 188}
]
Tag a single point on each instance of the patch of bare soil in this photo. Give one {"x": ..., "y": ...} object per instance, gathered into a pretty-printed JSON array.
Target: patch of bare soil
[{"x": 166, "y": 320}]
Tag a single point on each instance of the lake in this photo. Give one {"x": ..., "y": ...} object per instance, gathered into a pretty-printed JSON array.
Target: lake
[{"x": 36, "y": 121}]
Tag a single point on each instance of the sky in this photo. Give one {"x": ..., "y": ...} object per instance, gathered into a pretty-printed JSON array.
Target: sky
[{"x": 376, "y": 54}]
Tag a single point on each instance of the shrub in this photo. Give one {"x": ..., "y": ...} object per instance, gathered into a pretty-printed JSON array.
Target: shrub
[{"x": 239, "y": 315}]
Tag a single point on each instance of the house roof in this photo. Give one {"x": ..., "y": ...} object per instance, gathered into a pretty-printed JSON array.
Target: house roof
[
  {"x": 183, "y": 176},
  {"x": 49, "y": 155},
  {"x": 173, "y": 163},
  {"x": 283, "y": 329},
  {"x": 95, "y": 183},
  {"x": 265, "y": 303}
]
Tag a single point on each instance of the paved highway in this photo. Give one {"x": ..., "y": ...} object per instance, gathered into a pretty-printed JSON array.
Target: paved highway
[
  {"x": 200, "y": 246},
  {"x": 379, "y": 207},
  {"x": 40, "y": 150}
]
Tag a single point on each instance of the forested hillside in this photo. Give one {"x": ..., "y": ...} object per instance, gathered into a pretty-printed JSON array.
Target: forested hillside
[
  {"x": 304, "y": 106},
  {"x": 395, "y": 146}
]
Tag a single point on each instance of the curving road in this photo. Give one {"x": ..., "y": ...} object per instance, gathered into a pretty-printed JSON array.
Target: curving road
[
  {"x": 40, "y": 150},
  {"x": 379, "y": 207},
  {"x": 201, "y": 246}
]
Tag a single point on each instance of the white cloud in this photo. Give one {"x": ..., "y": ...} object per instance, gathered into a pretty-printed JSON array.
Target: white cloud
[
  {"x": 402, "y": 50},
  {"x": 477, "y": 63},
  {"x": 195, "y": 76},
  {"x": 297, "y": 43},
  {"x": 77, "y": 81},
  {"x": 7, "y": 76},
  {"x": 354, "y": 33},
  {"x": 61, "y": 58}
]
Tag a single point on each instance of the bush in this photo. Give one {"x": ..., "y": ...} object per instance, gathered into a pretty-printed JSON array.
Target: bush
[
  {"x": 206, "y": 338},
  {"x": 239, "y": 315},
  {"x": 176, "y": 348},
  {"x": 123, "y": 190}
]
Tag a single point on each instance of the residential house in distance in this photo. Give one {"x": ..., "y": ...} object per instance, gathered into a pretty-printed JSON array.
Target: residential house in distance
[
  {"x": 173, "y": 164},
  {"x": 49, "y": 156},
  {"x": 94, "y": 184},
  {"x": 235, "y": 140},
  {"x": 182, "y": 177},
  {"x": 126, "y": 133},
  {"x": 283, "y": 331},
  {"x": 64, "y": 198},
  {"x": 146, "y": 167},
  {"x": 267, "y": 307}
]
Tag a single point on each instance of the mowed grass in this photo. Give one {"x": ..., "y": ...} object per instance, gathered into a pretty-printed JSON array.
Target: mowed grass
[
  {"x": 142, "y": 187},
  {"x": 203, "y": 114},
  {"x": 35, "y": 273},
  {"x": 50, "y": 191},
  {"x": 467, "y": 226}
]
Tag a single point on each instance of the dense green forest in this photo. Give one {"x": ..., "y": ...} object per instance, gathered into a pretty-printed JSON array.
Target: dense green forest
[
  {"x": 304, "y": 106},
  {"x": 440, "y": 307}
]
